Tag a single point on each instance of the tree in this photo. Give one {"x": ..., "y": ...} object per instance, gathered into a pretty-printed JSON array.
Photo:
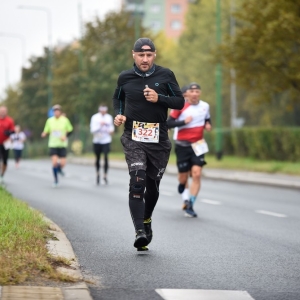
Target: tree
[{"x": 265, "y": 55}]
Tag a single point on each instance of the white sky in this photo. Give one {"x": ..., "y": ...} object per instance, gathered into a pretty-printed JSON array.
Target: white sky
[{"x": 32, "y": 25}]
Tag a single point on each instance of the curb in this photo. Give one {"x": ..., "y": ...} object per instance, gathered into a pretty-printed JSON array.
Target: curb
[
  {"x": 279, "y": 180},
  {"x": 61, "y": 247}
]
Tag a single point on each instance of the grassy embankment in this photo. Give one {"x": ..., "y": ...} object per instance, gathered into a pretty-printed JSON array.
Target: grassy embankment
[
  {"x": 237, "y": 163},
  {"x": 23, "y": 237}
]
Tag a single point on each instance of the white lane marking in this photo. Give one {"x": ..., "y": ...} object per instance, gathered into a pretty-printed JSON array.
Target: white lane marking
[
  {"x": 213, "y": 202},
  {"x": 183, "y": 294},
  {"x": 270, "y": 213},
  {"x": 166, "y": 193},
  {"x": 85, "y": 179}
]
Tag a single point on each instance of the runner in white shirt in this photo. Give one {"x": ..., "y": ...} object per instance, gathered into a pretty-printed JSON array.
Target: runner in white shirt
[
  {"x": 102, "y": 127},
  {"x": 189, "y": 143},
  {"x": 17, "y": 139}
]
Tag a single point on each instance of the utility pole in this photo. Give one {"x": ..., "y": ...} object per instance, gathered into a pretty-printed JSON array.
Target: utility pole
[
  {"x": 6, "y": 70},
  {"x": 49, "y": 25},
  {"x": 218, "y": 87},
  {"x": 81, "y": 71},
  {"x": 136, "y": 20},
  {"x": 233, "y": 102},
  {"x": 21, "y": 38}
]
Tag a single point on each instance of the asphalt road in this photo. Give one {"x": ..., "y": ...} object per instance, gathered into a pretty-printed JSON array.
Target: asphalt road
[{"x": 246, "y": 238}]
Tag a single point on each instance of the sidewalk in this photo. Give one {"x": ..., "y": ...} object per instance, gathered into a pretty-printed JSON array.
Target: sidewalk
[
  {"x": 280, "y": 180},
  {"x": 74, "y": 291}
]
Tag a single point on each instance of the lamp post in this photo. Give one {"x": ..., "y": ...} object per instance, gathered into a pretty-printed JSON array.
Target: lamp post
[
  {"x": 5, "y": 56},
  {"x": 21, "y": 38},
  {"x": 81, "y": 71},
  {"x": 49, "y": 21},
  {"x": 218, "y": 87},
  {"x": 137, "y": 19}
]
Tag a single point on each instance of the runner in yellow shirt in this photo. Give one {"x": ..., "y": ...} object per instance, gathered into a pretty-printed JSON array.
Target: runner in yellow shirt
[{"x": 59, "y": 128}]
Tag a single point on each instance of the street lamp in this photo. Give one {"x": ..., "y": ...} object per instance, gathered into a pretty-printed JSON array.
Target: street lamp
[
  {"x": 6, "y": 66},
  {"x": 21, "y": 38},
  {"x": 219, "y": 151},
  {"x": 49, "y": 79}
]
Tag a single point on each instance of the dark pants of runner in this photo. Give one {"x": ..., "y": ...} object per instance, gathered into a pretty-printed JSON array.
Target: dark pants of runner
[
  {"x": 4, "y": 155},
  {"x": 17, "y": 154},
  {"x": 98, "y": 150},
  {"x": 146, "y": 163}
]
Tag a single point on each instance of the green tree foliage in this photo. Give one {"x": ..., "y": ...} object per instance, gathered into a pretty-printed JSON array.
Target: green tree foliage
[
  {"x": 27, "y": 102},
  {"x": 196, "y": 52},
  {"x": 265, "y": 54}
]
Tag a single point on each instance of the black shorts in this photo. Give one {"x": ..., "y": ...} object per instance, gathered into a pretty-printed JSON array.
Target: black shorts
[
  {"x": 186, "y": 158},
  {"x": 60, "y": 152},
  {"x": 18, "y": 153},
  {"x": 101, "y": 148},
  {"x": 150, "y": 157},
  {"x": 4, "y": 154}
]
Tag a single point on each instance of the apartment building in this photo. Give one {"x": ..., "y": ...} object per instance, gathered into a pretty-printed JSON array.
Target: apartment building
[{"x": 166, "y": 15}]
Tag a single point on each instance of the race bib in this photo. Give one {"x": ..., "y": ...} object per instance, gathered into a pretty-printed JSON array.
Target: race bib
[
  {"x": 57, "y": 133},
  {"x": 145, "y": 132},
  {"x": 200, "y": 147}
]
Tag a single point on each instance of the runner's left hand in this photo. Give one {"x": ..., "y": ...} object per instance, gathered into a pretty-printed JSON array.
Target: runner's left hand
[{"x": 150, "y": 95}]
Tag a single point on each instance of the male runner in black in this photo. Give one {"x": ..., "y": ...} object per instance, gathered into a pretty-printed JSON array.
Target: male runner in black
[{"x": 141, "y": 101}]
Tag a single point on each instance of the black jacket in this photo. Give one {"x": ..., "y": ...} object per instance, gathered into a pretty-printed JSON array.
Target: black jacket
[{"x": 129, "y": 99}]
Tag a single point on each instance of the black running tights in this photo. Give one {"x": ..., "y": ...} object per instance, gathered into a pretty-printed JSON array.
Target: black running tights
[{"x": 141, "y": 210}]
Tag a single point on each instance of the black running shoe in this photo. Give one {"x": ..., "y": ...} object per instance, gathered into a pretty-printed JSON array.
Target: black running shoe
[
  {"x": 98, "y": 179},
  {"x": 189, "y": 212},
  {"x": 145, "y": 248},
  {"x": 181, "y": 188},
  {"x": 140, "y": 239},
  {"x": 148, "y": 229}
]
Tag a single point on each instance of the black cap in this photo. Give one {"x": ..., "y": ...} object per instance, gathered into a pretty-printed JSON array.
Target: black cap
[
  {"x": 194, "y": 86},
  {"x": 184, "y": 89},
  {"x": 143, "y": 42}
]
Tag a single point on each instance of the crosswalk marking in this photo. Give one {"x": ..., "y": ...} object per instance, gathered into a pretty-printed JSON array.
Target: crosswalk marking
[
  {"x": 270, "y": 213},
  {"x": 213, "y": 202},
  {"x": 190, "y": 294}
]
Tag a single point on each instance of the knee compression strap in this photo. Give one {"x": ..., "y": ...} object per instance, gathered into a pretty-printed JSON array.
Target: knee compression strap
[{"x": 137, "y": 184}]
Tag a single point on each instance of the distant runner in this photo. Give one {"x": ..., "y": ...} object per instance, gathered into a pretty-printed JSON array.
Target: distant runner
[{"x": 59, "y": 128}]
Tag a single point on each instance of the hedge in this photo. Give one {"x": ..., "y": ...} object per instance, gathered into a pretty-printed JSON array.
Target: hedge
[{"x": 277, "y": 143}]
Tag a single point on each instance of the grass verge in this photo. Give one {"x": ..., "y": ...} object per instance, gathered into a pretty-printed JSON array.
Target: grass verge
[
  {"x": 23, "y": 237},
  {"x": 235, "y": 163}
]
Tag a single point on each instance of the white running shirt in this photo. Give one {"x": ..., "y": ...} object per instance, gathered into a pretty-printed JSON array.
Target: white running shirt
[
  {"x": 101, "y": 127},
  {"x": 17, "y": 140}
]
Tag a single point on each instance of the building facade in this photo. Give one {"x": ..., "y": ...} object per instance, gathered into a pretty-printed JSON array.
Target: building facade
[{"x": 157, "y": 15}]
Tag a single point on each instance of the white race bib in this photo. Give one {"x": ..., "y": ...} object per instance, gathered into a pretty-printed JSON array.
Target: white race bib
[
  {"x": 145, "y": 132},
  {"x": 200, "y": 147},
  {"x": 56, "y": 133}
]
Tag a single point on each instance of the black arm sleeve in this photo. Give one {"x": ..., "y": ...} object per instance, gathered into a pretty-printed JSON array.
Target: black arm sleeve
[
  {"x": 8, "y": 132},
  {"x": 119, "y": 100},
  {"x": 208, "y": 121},
  {"x": 172, "y": 123},
  {"x": 69, "y": 133},
  {"x": 175, "y": 99}
]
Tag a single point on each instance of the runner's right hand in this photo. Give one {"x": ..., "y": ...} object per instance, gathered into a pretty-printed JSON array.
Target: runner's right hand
[{"x": 119, "y": 120}]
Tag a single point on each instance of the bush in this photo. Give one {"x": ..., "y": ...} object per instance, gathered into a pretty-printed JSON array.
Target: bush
[{"x": 282, "y": 143}]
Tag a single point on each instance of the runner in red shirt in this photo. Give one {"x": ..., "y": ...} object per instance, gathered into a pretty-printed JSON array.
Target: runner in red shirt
[
  {"x": 189, "y": 143},
  {"x": 6, "y": 129}
]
